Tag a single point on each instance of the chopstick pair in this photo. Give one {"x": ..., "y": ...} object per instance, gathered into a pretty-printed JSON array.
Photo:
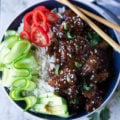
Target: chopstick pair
[{"x": 82, "y": 14}]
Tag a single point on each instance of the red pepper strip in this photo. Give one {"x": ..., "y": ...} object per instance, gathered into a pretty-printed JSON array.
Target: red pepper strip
[
  {"x": 25, "y": 35},
  {"x": 28, "y": 20},
  {"x": 51, "y": 17},
  {"x": 42, "y": 8},
  {"x": 39, "y": 37},
  {"x": 40, "y": 19}
]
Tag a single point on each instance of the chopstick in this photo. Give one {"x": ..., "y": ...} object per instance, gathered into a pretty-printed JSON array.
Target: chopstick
[
  {"x": 98, "y": 30},
  {"x": 100, "y": 19}
]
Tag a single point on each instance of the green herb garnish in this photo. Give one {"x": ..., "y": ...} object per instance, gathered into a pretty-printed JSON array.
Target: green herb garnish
[
  {"x": 68, "y": 77},
  {"x": 74, "y": 101},
  {"x": 76, "y": 46},
  {"x": 102, "y": 114},
  {"x": 106, "y": 45},
  {"x": 69, "y": 35},
  {"x": 86, "y": 87},
  {"x": 57, "y": 69},
  {"x": 94, "y": 38},
  {"x": 69, "y": 55},
  {"x": 65, "y": 26},
  {"x": 78, "y": 64}
]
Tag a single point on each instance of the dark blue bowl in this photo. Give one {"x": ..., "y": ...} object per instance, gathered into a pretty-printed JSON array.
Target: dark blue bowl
[{"x": 116, "y": 57}]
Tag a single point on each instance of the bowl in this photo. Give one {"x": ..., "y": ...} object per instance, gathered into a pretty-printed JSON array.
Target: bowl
[{"x": 116, "y": 57}]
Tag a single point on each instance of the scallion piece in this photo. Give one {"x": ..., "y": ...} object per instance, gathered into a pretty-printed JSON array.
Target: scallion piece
[
  {"x": 94, "y": 38},
  {"x": 65, "y": 26},
  {"x": 86, "y": 87},
  {"x": 78, "y": 64},
  {"x": 74, "y": 101},
  {"x": 69, "y": 35},
  {"x": 57, "y": 69},
  {"x": 69, "y": 55}
]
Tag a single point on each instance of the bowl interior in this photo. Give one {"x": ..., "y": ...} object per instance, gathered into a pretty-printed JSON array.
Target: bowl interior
[{"x": 116, "y": 57}]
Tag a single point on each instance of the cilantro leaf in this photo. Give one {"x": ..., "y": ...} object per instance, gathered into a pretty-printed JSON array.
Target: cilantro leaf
[
  {"x": 105, "y": 114},
  {"x": 94, "y": 38},
  {"x": 102, "y": 114}
]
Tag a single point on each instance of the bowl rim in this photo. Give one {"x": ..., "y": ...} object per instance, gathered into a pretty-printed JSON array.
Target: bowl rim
[{"x": 105, "y": 15}]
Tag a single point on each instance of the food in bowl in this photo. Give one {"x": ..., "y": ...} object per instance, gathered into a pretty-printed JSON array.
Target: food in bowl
[{"x": 56, "y": 63}]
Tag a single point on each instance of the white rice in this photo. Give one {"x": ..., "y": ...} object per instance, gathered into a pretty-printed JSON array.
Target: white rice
[{"x": 43, "y": 61}]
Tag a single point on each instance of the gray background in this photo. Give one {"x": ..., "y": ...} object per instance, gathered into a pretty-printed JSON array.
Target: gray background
[{"x": 8, "y": 111}]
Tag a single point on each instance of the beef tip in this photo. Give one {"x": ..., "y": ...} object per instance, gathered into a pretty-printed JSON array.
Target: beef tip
[
  {"x": 62, "y": 51},
  {"x": 75, "y": 99},
  {"x": 99, "y": 77},
  {"x": 92, "y": 64},
  {"x": 91, "y": 93},
  {"x": 73, "y": 96},
  {"x": 93, "y": 98},
  {"x": 64, "y": 79},
  {"x": 68, "y": 13},
  {"x": 75, "y": 25},
  {"x": 102, "y": 45},
  {"x": 92, "y": 104}
]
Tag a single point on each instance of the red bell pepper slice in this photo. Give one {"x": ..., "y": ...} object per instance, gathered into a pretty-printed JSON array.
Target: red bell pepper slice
[
  {"x": 42, "y": 8},
  {"x": 25, "y": 35},
  {"x": 39, "y": 36},
  {"x": 40, "y": 19},
  {"x": 28, "y": 20},
  {"x": 51, "y": 17}
]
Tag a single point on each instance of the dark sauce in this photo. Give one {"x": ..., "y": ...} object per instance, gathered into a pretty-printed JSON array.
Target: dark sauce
[{"x": 82, "y": 66}]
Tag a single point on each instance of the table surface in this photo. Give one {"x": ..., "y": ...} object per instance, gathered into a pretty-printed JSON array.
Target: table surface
[{"x": 8, "y": 111}]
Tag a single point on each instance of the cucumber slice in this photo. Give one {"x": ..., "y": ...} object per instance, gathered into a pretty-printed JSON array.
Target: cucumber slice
[
  {"x": 19, "y": 83},
  {"x": 30, "y": 86},
  {"x": 21, "y": 48},
  {"x": 3, "y": 53},
  {"x": 30, "y": 101},
  {"x": 24, "y": 84},
  {"x": 10, "y": 75},
  {"x": 7, "y": 78},
  {"x": 9, "y": 42},
  {"x": 11, "y": 33},
  {"x": 15, "y": 94},
  {"x": 28, "y": 62}
]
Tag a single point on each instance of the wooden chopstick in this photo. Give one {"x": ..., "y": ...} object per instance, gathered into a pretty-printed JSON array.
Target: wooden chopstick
[
  {"x": 100, "y": 19},
  {"x": 92, "y": 25}
]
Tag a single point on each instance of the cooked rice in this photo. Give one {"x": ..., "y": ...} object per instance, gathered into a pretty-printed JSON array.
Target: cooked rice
[{"x": 43, "y": 63}]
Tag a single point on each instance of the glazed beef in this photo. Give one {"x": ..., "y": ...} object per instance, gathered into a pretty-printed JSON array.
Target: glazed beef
[{"x": 79, "y": 68}]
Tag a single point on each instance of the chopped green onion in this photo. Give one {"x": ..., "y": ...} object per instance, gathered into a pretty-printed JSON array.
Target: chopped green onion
[
  {"x": 93, "y": 43},
  {"x": 76, "y": 46},
  {"x": 68, "y": 77},
  {"x": 69, "y": 55},
  {"x": 94, "y": 38},
  {"x": 74, "y": 101},
  {"x": 86, "y": 87},
  {"x": 69, "y": 35},
  {"x": 57, "y": 69},
  {"x": 78, "y": 64},
  {"x": 65, "y": 26}
]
